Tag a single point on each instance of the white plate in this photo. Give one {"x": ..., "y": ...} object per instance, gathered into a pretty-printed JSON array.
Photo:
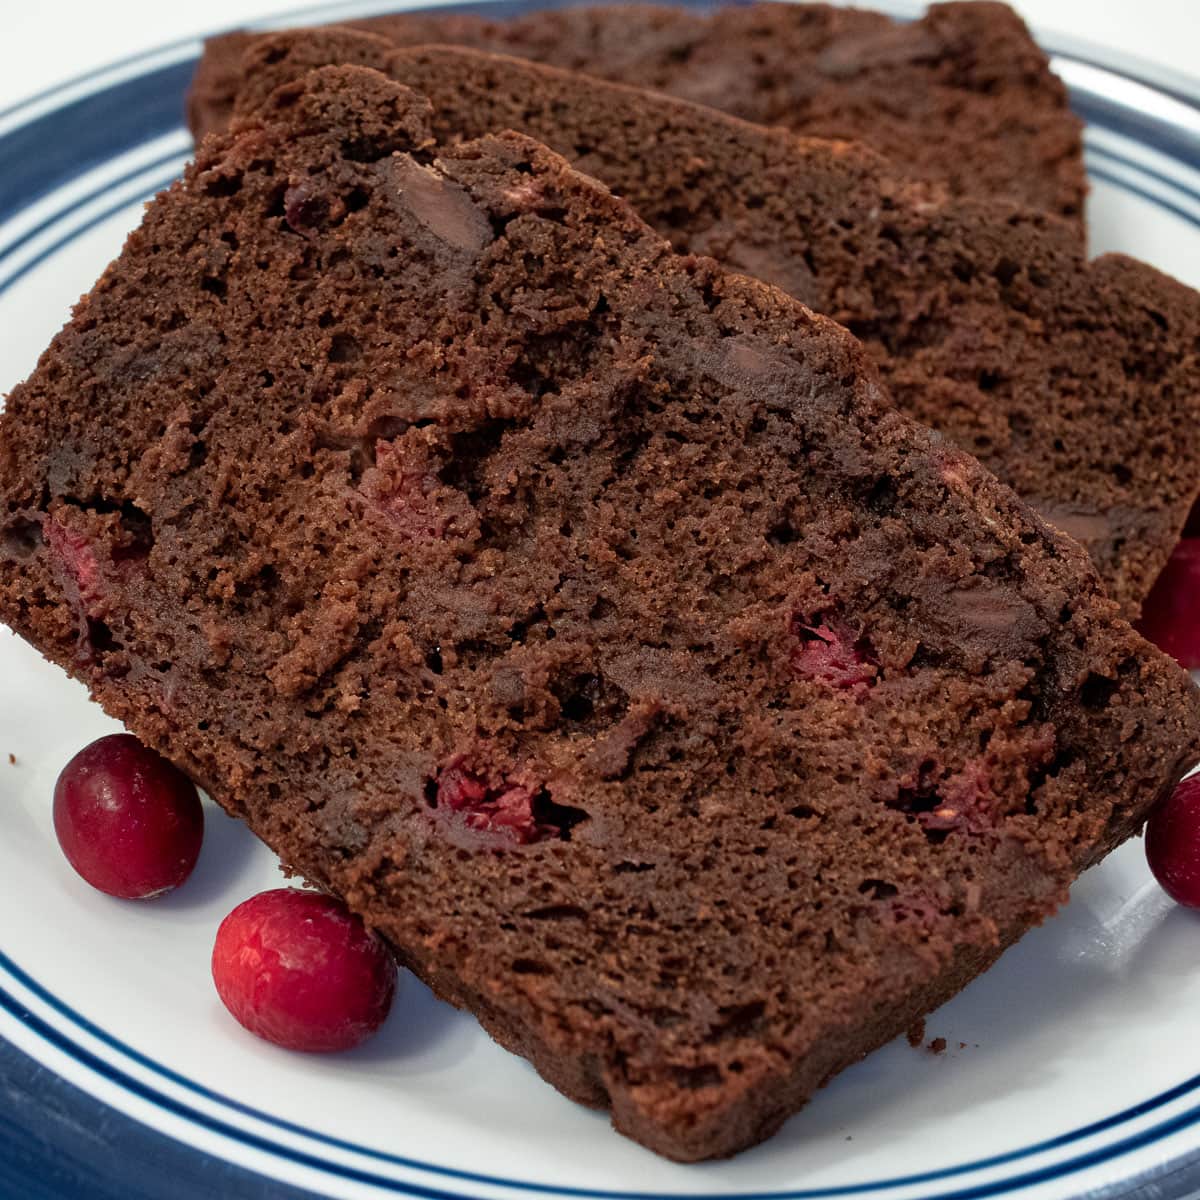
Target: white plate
[{"x": 1072, "y": 1066}]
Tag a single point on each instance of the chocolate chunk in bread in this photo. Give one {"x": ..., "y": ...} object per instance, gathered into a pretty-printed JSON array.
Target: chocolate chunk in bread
[
  {"x": 581, "y": 614},
  {"x": 963, "y": 96},
  {"x": 1074, "y": 382}
]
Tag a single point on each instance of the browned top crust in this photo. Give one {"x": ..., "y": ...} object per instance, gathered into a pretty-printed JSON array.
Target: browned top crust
[{"x": 962, "y": 97}]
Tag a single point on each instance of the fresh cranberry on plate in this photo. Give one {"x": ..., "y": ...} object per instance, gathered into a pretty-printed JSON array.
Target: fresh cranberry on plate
[
  {"x": 300, "y": 970},
  {"x": 1171, "y": 615},
  {"x": 128, "y": 821},
  {"x": 1173, "y": 843}
]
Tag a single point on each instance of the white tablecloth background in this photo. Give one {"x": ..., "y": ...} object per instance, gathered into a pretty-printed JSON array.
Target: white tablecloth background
[{"x": 44, "y": 43}]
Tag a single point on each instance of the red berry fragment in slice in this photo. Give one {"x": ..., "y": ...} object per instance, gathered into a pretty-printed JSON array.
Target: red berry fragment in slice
[
  {"x": 506, "y": 811},
  {"x": 300, "y": 970},
  {"x": 76, "y": 560},
  {"x": 1171, "y": 615},
  {"x": 829, "y": 651},
  {"x": 961, "y": 800},
  {"x": 1173, "y": 843},
  {"x": 129, "y": 822},
  {"x": 498, "y": 814},
  {"x": 410, "y": 500},
  {"x": 405, "y": 489}
]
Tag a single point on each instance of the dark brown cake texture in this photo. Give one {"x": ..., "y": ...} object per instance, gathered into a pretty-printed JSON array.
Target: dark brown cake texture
[
  {"x": 581, "y": 614},
  {"x": 963, "y": 96},
  {"x": 1076, "y": 383}
]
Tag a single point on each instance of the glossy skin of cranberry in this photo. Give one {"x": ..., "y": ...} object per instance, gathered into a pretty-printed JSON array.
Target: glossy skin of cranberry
[
  {"x": 1171, "y": 615},
  {"x": 1173, "y": 843},
  {"x": 300, "y": 970},
  {"x": 128, "y": 821}
]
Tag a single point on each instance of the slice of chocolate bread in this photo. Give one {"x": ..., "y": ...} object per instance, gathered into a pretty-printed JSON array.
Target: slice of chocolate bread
[
  {"x": 1075, "y": 383},
  {"x": 581, "y": 614},
  {"x": 962, "y": 96}
]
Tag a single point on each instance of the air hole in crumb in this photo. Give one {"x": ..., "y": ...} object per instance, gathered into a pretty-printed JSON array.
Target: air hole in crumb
[
  {"x": 561, "y": 816},
  {"x": 530, "y": 966},
  {"x": 1097, "y": 691},
  {"x": 882, "y": 497},
  {"x": 224, "y": 185},
  {"x": 782, "y": 533},
  {"x": 697, "y": 1077},
  {"x": 1006, "y": 271},
  {"x": 101, "y": 637},
  {"x": 739, "y": 1020},
  {"x": 344, "y": 348},
  {"x": 601, "y": 609},
  {"x": 557, "y": 912},
  {"x": 878, "y": 889},
  {"x": 580, "y": 703},
  {"x": 632, "y": 868},
  {"x": 21, "y": 539}
]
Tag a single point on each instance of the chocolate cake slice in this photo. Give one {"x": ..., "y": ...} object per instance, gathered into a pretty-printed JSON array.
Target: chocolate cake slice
[
  {"x": 962, "y": 96},
  {"x": 582, "y": 614},
  {"x": 1076, "y": 383}
]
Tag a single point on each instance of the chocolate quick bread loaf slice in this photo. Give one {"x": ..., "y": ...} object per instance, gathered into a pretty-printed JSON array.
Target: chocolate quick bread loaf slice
[
  {"x": 963, "y": 96},
  {"x": 581, "y": 614},
  {"x": 1078, "y": 384}
]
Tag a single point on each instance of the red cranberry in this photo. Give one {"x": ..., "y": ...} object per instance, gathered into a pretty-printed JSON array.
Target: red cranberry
[
  {"x": 1171, "y": 614},
  {"x": 404, "y": 490},
  {"x": 505, "y": 812},
  {"x": 961, "y": 800},
  {"x": 77, "y": 560},
  {"x": 300, "y": 970},
  {"x": 128, "y": 821},
  {"x": 1173, "y": 843},
  {"x": 828, "y": 650}
]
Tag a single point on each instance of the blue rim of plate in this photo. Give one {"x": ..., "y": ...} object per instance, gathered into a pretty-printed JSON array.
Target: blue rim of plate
[{"x": 55, "y": 138}]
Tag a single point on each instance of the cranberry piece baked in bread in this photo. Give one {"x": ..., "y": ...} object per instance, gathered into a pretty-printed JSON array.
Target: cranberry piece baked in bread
[{"x": 581, "y": 614}]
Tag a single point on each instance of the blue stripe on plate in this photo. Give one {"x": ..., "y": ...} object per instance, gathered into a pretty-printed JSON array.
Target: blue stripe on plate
[
  {"x": 1170, "y": 181},
  {"x": 1095, "y": 172},
  {"x": 110, "y": 185},
  {"x": 53, "y": 149},
  {"x": 78, "y": 231},
  {"x": 1181, "y": 1121}
]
